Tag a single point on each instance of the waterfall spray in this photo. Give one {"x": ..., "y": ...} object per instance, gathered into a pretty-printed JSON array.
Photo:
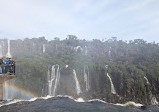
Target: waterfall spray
[
  {"x": 56, "y": 80},
  {"x": 51, "y": 78},
  {"x": 78, "y": 89},
  {"x": 9, "y": 93},
  {"x": 146, "y": 80},
  {"x": 86, "y": 51},
  {"x": 112, "y": 85},
  {"x": 43, "y": 48},
  {"x": 8, "y": 53},
  {"x": 1, "y": 55},
  {"x": 154, "y": 101},
  {"x": 86, "y": 78}
]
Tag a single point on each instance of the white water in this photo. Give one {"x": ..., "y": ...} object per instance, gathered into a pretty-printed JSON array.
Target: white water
[
  {"x": 86, "y": 78},
  {"x": 146, "y": 80},
  {"x": 2, "y": 45},
  {"x": 86, "y": 51},
  {"x": 56, "y": 79},
  {"x": 98, "y": 100},
  {"x": 109, "y": 52},
  {"x": 130, "y": 103},
  {"x": 8, "y": 53},
  {"x": 154, "y": 101},
  {"x": 51, "y": 78},
  {"x": 43, "y": 48},
  {"x": 78, "y": 48},
  {"x": 8, "y": 93},
  {"x": 112, "y": 85},
  {"x": 1, "y": 55},
  {"x": 66, "y": 66},
  {"x": 78, "y": 88},
  {"x": 49, "y": 82},
  {"x": 11, "y": 102}
]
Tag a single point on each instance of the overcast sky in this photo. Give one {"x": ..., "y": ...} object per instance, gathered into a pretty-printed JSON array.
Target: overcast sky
[{"x": 87, "y": 19}]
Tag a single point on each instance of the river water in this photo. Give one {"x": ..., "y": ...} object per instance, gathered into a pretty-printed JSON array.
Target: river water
[{"x": 68, "y": 104}]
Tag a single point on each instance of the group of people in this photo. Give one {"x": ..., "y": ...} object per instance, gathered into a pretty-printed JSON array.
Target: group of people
[{"x": 7, "y": 66}]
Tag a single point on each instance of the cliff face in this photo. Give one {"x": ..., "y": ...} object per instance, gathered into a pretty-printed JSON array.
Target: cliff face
[{"x": 133, "y": 67}]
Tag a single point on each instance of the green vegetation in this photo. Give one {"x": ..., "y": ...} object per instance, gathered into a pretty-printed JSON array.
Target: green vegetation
[{"x": 128, "y": 63}]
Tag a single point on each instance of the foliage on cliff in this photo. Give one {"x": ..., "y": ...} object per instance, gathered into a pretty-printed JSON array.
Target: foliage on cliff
[{"x": 128, "y": 63}]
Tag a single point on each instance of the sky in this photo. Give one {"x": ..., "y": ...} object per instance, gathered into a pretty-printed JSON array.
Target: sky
[{"x": 87, "y": 19}]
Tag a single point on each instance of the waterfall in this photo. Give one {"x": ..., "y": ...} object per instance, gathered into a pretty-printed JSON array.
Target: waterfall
[
  {"x": 2, "y": 48},
  {"x": 8, "y": 53},
  {"x": 86, "y": 79},
  {"x": 3, "y": 45},
  {"x": 5, "y": 91},
  {"x": 48, "y": 79},
  {"x": 51, "y": 78},
  {"x": 112, "y": 85},
  {"x": 86, "y": 51},
  {"x": 56, "y": 79},
  {"x": 109, "y": 52},
  {"x": 146, "y": 80},
  {"x": 1, "y": 55},
  {"x": 8, "y": 93},
  {"x": 78, "y": 89},
  {"x": 154, "y": 101},
  {"x": 43, "y": 48}
]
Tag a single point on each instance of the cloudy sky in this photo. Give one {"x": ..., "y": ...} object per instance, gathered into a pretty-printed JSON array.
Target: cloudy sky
[{"x": 87, "y": 19}]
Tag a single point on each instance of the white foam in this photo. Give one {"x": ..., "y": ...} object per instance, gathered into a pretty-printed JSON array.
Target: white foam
[
  {"x": 80, "y": 100},
  {"x": 66, "y": 66},
  {"x": 12, "y": 102},
  {"x": 96, "y": 100},
  {"x": 66, "y": 96},
  {"x": 70, "y": 97},
  {"x": 154, "y": 101},
  {"x": 33, "y": 99},
  {"x": 47, "y": 97},
  {"x": 130, "y": 103}
]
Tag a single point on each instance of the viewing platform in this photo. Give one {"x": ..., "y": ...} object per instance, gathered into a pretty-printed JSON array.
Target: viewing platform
[{"x": 3, "y": 78}]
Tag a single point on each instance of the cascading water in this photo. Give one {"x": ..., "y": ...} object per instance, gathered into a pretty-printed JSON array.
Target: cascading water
[
  {"x": 78, "y": 88},
  {"x": 51, "y": 78},
  {"x": 8, "y": 53},
  {"x": 86, "y": 51},
  {"x": 56, "y": 79},
  {"x": 146, "y": 80},
  {"x": 1, "y": 55},
  {"x": 11, "y": 91},
  {"x": 43, "y": 48},
  {"x": 86, "y": 79},
  {"x": 2, "y": 45},
  {"x": 8, "y": 92},
  {"x": 109, "y": 52},
  {"x": 112, "y": 85},
  {"x": 154, "y": 101}
]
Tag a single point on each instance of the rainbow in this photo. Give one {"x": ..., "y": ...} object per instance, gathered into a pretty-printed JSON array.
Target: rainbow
[{"x": 21, "y": 90}]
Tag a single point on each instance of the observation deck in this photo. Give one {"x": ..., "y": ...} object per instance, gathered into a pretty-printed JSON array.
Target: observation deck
[{"x": 3, "y": 78}]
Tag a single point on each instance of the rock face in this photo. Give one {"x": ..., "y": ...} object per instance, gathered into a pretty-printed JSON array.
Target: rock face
[
  {"x": 63, "y": 104},
  {"x": 3, "y": 78}
]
